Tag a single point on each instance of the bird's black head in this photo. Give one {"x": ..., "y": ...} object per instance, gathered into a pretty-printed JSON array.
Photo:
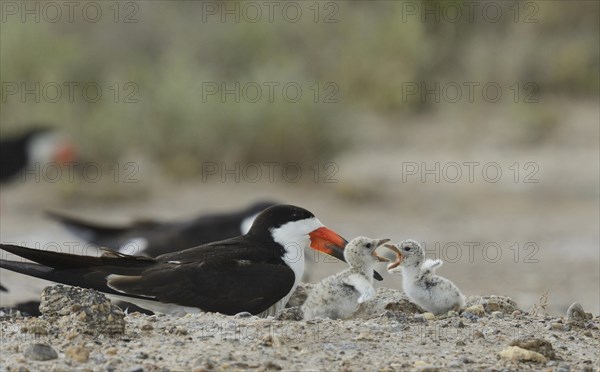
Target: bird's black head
[{"x": 277, "y": 216}]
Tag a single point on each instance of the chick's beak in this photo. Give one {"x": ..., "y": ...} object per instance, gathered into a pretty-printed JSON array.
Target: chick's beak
[
  {"x": 328, "y": 242},
  {"x": 377, "y": 257},
  {"x": 399, "y": 256}
]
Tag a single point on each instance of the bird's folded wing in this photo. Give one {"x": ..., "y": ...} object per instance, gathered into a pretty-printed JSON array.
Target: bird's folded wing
[{"x": 431, "y": 265}]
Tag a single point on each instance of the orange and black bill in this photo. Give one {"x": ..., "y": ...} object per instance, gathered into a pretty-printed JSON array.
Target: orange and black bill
[{"x": 328, "y": 242}]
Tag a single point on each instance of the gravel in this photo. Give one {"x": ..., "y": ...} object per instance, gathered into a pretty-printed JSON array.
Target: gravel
[{"x": 387, "y": 334}]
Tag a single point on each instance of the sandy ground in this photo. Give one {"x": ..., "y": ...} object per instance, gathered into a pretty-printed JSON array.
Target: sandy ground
[{"x": 396, "y": 339}]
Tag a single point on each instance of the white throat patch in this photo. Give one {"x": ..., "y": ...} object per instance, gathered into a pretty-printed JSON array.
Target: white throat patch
[{"x": 293, "y": 236}]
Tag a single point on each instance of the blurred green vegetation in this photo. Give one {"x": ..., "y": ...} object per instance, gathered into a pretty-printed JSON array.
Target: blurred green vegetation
[{"x": 368, "y": 54}]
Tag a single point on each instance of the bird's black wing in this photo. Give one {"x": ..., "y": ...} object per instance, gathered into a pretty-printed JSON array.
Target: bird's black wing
[{"x": 227, "y": 277}]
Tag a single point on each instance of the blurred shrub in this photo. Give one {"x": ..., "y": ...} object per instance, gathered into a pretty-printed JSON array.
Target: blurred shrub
[{"x": 367, "y": 55}]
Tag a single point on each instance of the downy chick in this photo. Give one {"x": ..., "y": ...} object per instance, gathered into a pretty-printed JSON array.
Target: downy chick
[
  {"x": 338, "y": 296},
  {"x": 433, "y": 293}
]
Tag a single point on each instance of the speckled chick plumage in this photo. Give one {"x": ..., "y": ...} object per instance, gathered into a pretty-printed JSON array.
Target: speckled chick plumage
[
  {"x": 431, "y": 292},
  {"x": 339, "y": 296}
]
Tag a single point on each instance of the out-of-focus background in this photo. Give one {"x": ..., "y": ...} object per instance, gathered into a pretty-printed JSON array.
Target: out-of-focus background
[{"x": 472, "y": 127}]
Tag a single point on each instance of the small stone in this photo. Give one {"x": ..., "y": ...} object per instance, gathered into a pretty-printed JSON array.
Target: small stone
[
  {"x": 428, "y": 316},
  {"x": 182, "y": 331},
  {"x": 469, "y": 315},
  {"x": 478, "y": 334},
  {"x": 497, "y": 314},
  {"x": 575, "y": 313},
  {"x": 475, "y": 309},
  {"x": 141, "y": 355},
  {"x": 494, "y": 303},
  {"x": 538, "y": 345},
  {"x": 555, "y": 326},
  {"x": 290, "y": 313},
  {"x": 517, "y": 354},
  {"x": 147, "y": 327},
  {"x": 452, "y": 313},
  {"x": 40, "y": 352},
  {"x": 79, "y": 310},
  {"x": 460, "y": 343},
  {"x": 111, "y": 351},
  {"x": 78, "y": 354},
  {"x": 588, "y": 333},
  {"x": 271, "y": 365}
]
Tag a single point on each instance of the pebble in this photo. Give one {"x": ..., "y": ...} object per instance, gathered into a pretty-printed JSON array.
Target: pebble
[
  {"x": 555, "y": 326},
  {"x": 575, "y": 313},
  {"x": 290, "y": 313},
  {"x": 517, "y": 354},
  {"x": 478, "y": 334},
  {"x": 475, "y": 309},
  {"x": 428, "y": 316},
  {"x": 80, "y": 310},
  {"x": 147, "y": 327},
  {"x": 40, "y": 352},
  {"x": 78, "y": 353},
  {"x": 469, "y": 315},
  {"x": 538, "y": 345},
  {"x": 497, "y": 314},
  {"x": 494, "y": 303}
]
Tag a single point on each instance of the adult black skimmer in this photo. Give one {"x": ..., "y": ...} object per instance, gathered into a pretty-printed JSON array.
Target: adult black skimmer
[
  {"x": 39, "y": 145},
  {"x": 256, "y": 272},
  {"x": 153, "y": 238},
  {"x": 433, "y": 293}
]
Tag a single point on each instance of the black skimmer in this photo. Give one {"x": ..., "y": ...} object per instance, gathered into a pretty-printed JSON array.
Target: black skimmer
[
  {"x": 431, "y": 292},
  {"x": 338, "y": 296},
  {"x": 256, "y": 272},
  {"x": 40, "y": 145},
  {"x": 153, "y": 238}
]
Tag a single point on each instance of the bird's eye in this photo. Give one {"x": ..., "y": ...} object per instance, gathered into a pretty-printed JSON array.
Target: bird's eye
[
  {"x": 368, "y": 245},
  {"x": 406, "y": 249}
]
